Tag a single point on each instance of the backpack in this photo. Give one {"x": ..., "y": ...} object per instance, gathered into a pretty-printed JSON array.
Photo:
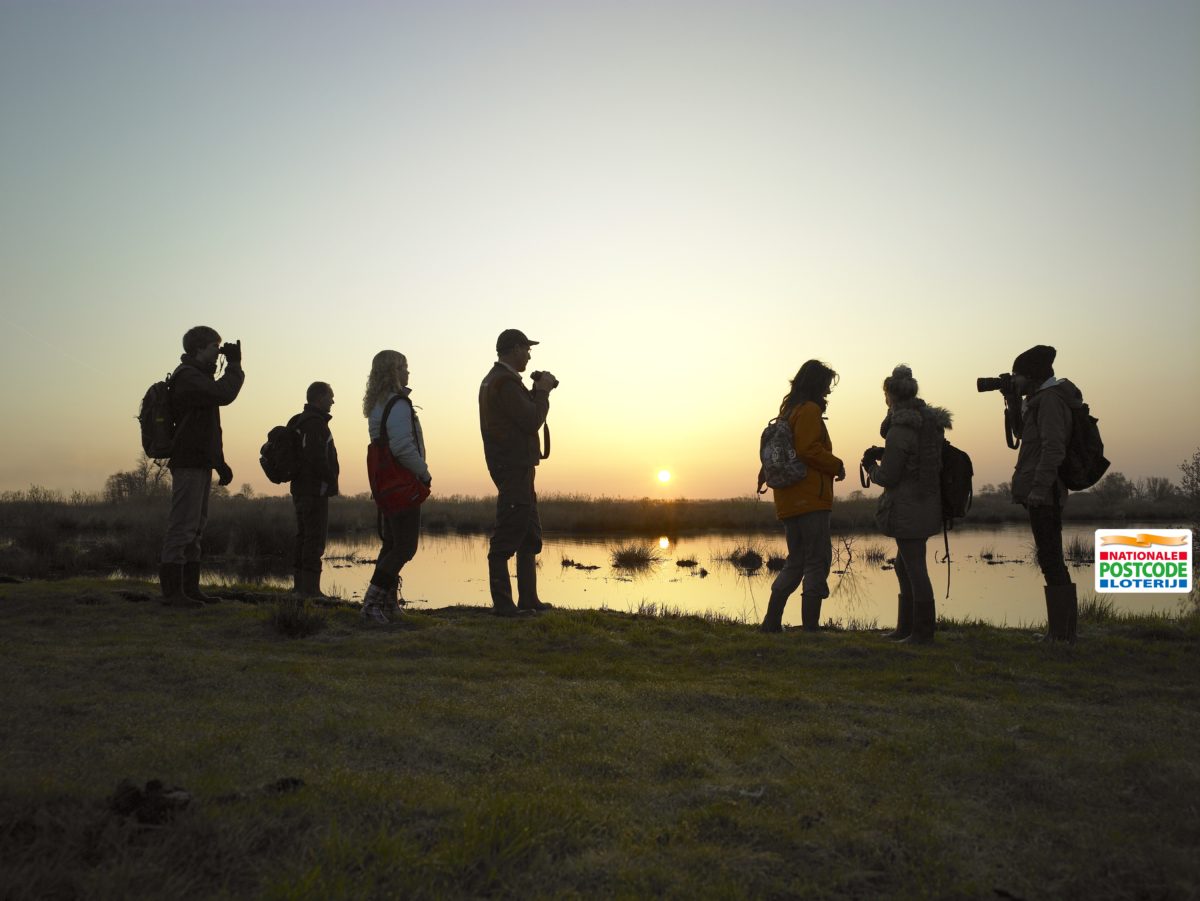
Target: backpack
[
  {"x": 157, "y": 420},
  {"x": 1084, "y": 463},
  {"x": 283, "y": 453},
  {"x": 777, "y": 454},
  {"x": 956, "y": 475}
]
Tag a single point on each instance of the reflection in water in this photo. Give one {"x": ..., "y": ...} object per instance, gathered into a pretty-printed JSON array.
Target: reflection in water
[{"x": 694, "y": 574}]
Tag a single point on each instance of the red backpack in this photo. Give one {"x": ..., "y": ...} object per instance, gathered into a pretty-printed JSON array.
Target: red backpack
[{"x": 394, "y": 487}]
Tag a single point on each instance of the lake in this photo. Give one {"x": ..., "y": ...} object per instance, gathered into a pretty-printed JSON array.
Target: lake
[{"x": 993, "y": 576}]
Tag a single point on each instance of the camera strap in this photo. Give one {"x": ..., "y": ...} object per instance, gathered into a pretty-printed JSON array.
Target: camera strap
[{"x": 545, "y": 453}]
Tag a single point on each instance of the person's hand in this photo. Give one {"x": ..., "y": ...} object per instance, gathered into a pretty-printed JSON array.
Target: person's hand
[
  {"x": 546, "y": 382},
  {"x": 224, "y": 473},
  {"x": 841, "y": 476},
  {"x": 1038, "y": 497},
  {"x": 232, "y": 351}
]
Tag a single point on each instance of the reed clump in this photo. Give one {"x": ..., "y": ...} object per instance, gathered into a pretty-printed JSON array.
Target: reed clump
[{"x": 634, "y": 557}]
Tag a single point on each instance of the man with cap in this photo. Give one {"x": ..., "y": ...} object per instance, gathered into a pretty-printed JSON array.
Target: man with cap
[
  {"x": 510, "y": 416},
  {"x": 1045, "y": 431}
]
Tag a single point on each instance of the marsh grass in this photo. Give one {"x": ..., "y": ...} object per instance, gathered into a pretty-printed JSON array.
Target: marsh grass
[
  {"x": 875, "y": 553},
  {"x": 55, "y": 535},
  {"x": 635, "y": 557},
  {"x": 1079, "y": 550},
  {"x": 294, "y": 618},
  {"x": 747, "y": 557},
  {"x": 588, "y": 754}
]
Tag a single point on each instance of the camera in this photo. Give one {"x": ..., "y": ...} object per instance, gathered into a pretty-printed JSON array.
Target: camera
[
  {"x": 1002, "y": 383},
  {"x": 873, "y": 454},
  {"x": 537, "y": 374}
]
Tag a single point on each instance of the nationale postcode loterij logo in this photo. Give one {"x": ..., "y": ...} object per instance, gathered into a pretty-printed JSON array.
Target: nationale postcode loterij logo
[{"x": 1144, "y": 560}]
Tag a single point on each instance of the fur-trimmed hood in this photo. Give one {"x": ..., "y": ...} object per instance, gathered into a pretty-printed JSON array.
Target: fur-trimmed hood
[{"x": 911, "y": 414}]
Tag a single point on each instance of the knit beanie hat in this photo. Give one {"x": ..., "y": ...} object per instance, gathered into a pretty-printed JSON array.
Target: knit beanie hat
[{"x": 1037, "y": 363}]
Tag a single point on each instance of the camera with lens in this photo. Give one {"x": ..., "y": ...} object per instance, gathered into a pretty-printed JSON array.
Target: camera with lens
[
  {"x": 1002, "y": 383},
  {"x": 872, "y": 455},
  {"x": 537, "y": 374}
]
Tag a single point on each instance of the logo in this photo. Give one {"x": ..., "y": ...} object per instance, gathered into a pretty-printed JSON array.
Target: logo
[{"x": 1144, "y": 561}]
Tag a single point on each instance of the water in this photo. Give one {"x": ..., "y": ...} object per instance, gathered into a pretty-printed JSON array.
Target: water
[{"x": 1005, "y": 590}]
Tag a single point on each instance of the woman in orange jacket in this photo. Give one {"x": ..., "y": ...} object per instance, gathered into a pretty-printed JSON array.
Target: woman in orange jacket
[{"x": 804, "y": 507}]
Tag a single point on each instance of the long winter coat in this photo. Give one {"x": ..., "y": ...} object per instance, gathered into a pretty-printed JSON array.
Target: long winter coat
[
  {"x": 910, "y": 471},
  {"x": 196, "y": 400},
  {"x": 1045, "y": 431},
  {"x": 810, "y": 438}
]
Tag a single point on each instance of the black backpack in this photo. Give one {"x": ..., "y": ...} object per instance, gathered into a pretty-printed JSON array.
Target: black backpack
[
  {"x": 283, "y": 453},
  {"x": 157, "y": 420},
  {"x": 1084, "y": 463},
  {"x": 957, "y": 473}
]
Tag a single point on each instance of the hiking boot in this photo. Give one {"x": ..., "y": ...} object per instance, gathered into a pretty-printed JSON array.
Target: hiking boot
[
  {"x": 904, "y": 619},
  {"x": 773, "y": 620},
  {"x": 373, "y": 605},
  {"x": 170, "y": 578},
  {"x": 191, "y": 584}
]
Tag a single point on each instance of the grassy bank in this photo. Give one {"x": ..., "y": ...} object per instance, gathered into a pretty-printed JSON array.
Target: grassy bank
[
  {"x": 43, "y": 534},
  {"x": 587, "y": 754}
]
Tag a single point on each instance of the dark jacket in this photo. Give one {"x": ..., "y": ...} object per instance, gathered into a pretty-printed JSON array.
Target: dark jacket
[
  {"x": 510, "y": 416},
  {"x": 910, "y": 471},
  {"x": 318, "y": 475},
  {"x": 196, "y": 400},
  {"x": 1045, "y": 430}
]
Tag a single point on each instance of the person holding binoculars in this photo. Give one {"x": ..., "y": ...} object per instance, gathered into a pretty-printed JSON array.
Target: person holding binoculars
[
  {"x": 197, "y": 396},
  {"x": 908, "y": 468},
  {"x": 510, "y": 416}
]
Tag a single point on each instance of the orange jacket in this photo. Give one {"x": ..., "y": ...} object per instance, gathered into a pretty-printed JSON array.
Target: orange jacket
[{"x": 811, "y": 440}]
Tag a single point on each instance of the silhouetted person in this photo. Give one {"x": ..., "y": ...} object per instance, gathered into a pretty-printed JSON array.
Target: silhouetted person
[
  {"x": 910, "y": 509},
  {"x": 314, "y": 484},
  {"x": 401, "y": 531},
  {"x": 805, "y": 507},
  {"x": 197, "y": 396},
  {"x": 1046, "y": 420},
  {"x": 510, "y": 416}
]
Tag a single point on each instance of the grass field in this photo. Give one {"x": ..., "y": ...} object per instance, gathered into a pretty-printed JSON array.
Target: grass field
[{"x": 586, "y": 754}]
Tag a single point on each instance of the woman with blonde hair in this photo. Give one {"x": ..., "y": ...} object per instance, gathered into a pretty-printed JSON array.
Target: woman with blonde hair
[{"x": 400, "y": 531}]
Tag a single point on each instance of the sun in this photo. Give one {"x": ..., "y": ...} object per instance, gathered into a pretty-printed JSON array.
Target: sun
[{"x": 664, "y": 475}]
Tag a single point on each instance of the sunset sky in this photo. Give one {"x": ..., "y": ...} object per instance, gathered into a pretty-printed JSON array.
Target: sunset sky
[{"x": 681, "y": 201}]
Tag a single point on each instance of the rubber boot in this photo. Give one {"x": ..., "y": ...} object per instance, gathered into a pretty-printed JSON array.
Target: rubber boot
[
  {"x": 904, "y": 619},
  {"x": 501, "y": 588},
  {"x": 810, "y": 613},
  {"x": 527, "y": 592},
  {"x": 191, "y": 584},
  {"x": 1062, "y": 613},
  {"x": 309, "y": 585},
  {"x": 924, "y": 622},
  {"x": 773, "y": 621},
  {"x": 170, "y": 578}
]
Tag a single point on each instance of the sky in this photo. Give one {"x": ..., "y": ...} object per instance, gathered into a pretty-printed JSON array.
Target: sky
[{"x": 682, "y": 202}]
